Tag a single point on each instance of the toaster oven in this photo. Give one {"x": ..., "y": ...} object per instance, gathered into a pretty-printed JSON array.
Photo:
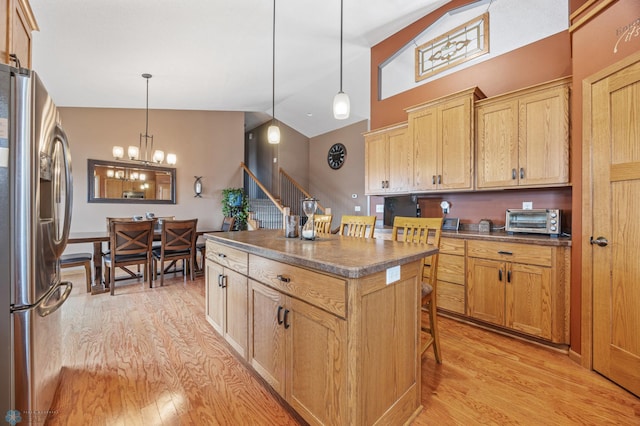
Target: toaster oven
[{"x": 533, "y": 221}]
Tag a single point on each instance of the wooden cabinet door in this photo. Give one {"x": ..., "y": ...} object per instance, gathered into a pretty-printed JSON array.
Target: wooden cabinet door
[
  {"x": 267, "y": 334},
  {"x": 315, "y": 363},
  {"x": 376, "y": 162},
  {"x": 544, "y": 137},
  {"x": 486, "y": 289},
  {"x": 528, "y": 299},
  {"x": 497, "y": 138},
  {"x": 400, "y": 161},
  {"x": 112, "y": 188},
  {"x": 455, "y": 158},
  {"x": 236, "y": 315},
  {"x": 423, "y": 129},
  {"x": 215, "y": 296}
]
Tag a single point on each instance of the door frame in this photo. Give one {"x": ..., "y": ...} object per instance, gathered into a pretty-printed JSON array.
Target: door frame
[{"x": 587, "y": 206}]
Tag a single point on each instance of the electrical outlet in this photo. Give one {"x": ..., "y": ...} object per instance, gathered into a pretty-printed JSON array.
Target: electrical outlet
[
  {"x": 357, "y": 208},
  {"x": 527, "y": 205}
]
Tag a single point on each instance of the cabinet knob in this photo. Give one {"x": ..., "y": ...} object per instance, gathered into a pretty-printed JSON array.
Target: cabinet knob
[
  {"x": 222, "y": 255},
  {"x": 283, "y": 278},
  {"x": 600, "y": 241}
]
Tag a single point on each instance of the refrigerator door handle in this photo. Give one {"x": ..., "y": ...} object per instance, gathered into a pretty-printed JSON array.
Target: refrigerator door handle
[
  {"x": 44, "y": 307},
  {"x": 61, "y": 136}
]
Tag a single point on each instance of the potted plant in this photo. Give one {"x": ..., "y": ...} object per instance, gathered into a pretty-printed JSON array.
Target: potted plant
[{"x": 236, "y": 204}]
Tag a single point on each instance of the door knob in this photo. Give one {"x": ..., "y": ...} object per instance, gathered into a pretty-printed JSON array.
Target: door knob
[{"x": 601, "y": 241}]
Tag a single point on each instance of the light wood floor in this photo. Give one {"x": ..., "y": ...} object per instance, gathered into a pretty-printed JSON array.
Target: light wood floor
[{"x": 148, "y": 357}]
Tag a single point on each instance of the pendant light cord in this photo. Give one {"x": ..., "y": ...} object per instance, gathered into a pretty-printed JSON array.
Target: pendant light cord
[
  {"x": 273, "y": 64},
  {"x": 341, "y": 18}
]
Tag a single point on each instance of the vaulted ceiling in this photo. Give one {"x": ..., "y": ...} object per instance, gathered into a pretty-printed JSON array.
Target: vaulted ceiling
[{"x": 216, "y": 55}]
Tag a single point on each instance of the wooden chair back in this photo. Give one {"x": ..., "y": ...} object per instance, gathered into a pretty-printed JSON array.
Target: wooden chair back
[
  {"x": 357, "y": 226},
  {"x": 177, "y": 242},
  {"x": 421, "y": 230},
  {"x": 130, "y": 244},
  {"x": 322, "y": 223},
  {"x": 227, "y": 224}
]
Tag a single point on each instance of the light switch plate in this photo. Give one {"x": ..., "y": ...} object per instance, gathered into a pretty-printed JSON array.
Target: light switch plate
[
  {"x": 379, "y": 208},
  {"x": 357, "y": 208}
]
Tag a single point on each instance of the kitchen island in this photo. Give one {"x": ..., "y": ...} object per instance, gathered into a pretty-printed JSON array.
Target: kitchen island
[{"x": 332, "y": 325}]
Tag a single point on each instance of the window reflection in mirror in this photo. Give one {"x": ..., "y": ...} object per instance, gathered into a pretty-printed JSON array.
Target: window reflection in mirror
[{"x": 129, "y": 182}]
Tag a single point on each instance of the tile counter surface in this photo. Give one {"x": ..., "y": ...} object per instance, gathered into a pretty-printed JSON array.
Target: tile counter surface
[{"x": 344, "y": 256}]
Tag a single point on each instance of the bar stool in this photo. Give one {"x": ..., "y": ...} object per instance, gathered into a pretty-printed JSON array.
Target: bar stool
[{"x": 78, "y": 259}]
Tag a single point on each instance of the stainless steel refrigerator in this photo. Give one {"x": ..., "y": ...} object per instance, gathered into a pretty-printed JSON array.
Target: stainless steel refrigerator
[{"x": 35, "y": 215}]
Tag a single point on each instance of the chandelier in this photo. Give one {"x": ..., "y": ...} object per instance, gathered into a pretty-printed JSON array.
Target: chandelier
[{"x": 148, "y": 155}]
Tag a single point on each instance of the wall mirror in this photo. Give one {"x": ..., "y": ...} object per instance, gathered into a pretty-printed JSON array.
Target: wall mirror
[{"x": 130, "y": 182}]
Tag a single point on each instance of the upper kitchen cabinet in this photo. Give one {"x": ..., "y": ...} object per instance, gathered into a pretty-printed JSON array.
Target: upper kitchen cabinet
[
  {"x": 388, "y": 160},
  {"x": 441, "y": 133},
  {"x": 523, "y": 137},
  {"x": 17, "y": 23}
]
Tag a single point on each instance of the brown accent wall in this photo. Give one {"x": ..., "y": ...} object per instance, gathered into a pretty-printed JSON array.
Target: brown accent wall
[
  {"x": 207, "y": 143},
  {"x": 593, "y": 50}
]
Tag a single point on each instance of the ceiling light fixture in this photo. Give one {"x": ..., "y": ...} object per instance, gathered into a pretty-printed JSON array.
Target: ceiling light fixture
[
  {"x": 134, "y": 152},
  {"x": 341, "y": 103},
  {"x": 273, "y": 133}
]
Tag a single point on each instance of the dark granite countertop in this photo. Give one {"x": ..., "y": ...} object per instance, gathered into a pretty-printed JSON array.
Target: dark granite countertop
[{"x": 344, "y": 256}]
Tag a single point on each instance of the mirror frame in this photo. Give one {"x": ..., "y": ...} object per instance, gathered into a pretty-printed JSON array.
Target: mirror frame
[{"x": 91, "y": 164}]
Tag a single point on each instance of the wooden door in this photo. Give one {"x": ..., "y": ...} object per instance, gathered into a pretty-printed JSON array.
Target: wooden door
[
  {"x": 400, "y": 160},
  {"x": 267, "y": 334},
  {"x": 528, "y": 299},
  {"x": 615, "y": 129},
  {"x": 315, "y": 363},
  {"x": 497, "y": 163},
  {"x": 376, "y": 159},
  {"x": 423, "y": 132},
  {"x": 235, "y": 325},
  {"x": 486, "y": 289},
  {"x": 215, "y": 296},
  {"x": 456, "y": 144},
  {"x": 544, "y": 137}
]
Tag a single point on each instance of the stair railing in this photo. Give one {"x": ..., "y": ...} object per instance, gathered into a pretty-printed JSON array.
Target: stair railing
[
  {"x": 271, "y": 217},
  {"x": 292, "y": 193}
]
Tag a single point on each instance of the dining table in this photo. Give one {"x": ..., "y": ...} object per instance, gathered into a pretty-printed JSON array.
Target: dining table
[{"x": 96, "y": 238}]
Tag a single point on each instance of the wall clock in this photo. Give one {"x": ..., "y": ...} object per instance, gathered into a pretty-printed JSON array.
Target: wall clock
[{"x": 336, "y": 156}]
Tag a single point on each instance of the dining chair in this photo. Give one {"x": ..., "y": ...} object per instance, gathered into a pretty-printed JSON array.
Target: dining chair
[
  {"x": 357, "y": 226},
  {"x": 424, "y": 230},
  {"x": 178, "y": 242},
  {"x": 71, "y": 260},
  {"x": 322, "y": 223},
  {"x": 130, "y": 244},
  {"x": 201, "y": 247}
]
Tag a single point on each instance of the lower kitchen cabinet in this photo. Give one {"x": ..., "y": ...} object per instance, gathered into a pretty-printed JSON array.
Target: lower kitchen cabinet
[
  {"x": 522, "y": 287},
  {"x": 227, "y": 296},
  {"x": 298, "y": 349},
  {"x": 451, "y": 272}
]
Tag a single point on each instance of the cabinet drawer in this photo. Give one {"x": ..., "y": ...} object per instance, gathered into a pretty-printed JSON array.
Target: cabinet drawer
[
  {"x": 451, "y": 268},
  {"x": 450, "y": 297},
  {"x": 227, "y": 256},
  {"x": 510, "y": 252},
  {"x": 452, "y": 246},
  {"x": 323, "y": 291}
]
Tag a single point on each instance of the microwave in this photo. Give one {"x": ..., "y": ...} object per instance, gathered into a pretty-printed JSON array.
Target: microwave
[{"x": 533, "y": 221}]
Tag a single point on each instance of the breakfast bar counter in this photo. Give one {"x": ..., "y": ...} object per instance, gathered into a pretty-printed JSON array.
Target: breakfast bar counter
[{"x": 332, "y": 325}]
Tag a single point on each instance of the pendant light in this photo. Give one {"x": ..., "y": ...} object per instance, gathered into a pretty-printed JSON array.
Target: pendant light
[
  {"x": 341, "y": 104},
  {"x": 273, "y": 133}
]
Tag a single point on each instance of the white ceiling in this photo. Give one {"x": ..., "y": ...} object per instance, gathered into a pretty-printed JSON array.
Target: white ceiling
[{"x": 216, "y": 55}]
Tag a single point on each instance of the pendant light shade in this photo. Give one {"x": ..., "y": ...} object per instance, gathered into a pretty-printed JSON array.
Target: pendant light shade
[
  {"x": 273, "y": 133},
  {"x": 341, "y": 106},
  {"x": 341, "y": 103}
]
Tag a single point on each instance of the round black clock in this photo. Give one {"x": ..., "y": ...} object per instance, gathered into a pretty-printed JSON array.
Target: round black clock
[{"x": 336, "y": 156}]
